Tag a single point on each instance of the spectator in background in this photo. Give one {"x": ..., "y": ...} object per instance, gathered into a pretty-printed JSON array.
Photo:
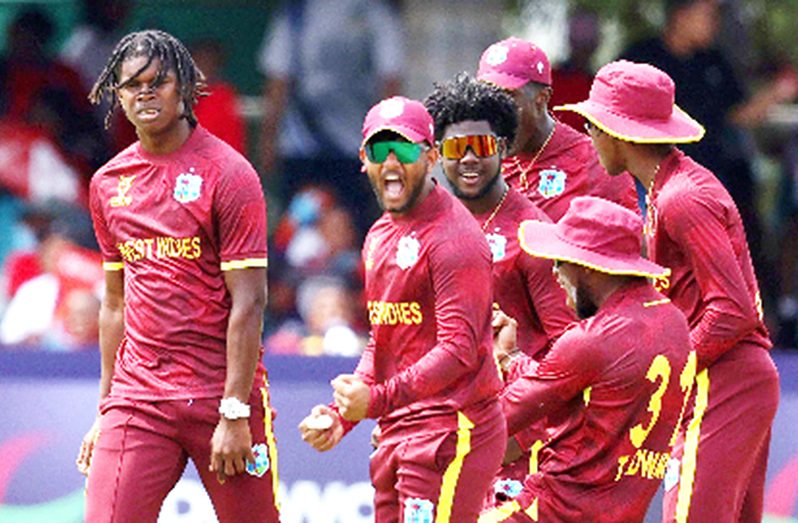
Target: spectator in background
[
  {"x": 787, "y": 311},
  {"x": 218, "y": 112},
  {"x": 574, "y": 76},
  {"x": 327, "y": 325},
  {"x": 326, "y": 62},
  {"x": 53, "y": 290},
  {"x": 86, "y": 50},
  {"x": 708, "y": 88}
]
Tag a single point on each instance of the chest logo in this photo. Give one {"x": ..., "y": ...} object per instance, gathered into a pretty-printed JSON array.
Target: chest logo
[
  {"x": 122, "y": 199},
  {"x": 187, "y": 187},
  {"x": 418, "y": 510},
  {"x": 407, "y": 252},
  {"x": 498, "y": 246},
  {"x": 552, "y": 183}
]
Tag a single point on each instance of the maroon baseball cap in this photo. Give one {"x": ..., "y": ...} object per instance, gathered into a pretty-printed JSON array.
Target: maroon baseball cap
[
  {"x": 406, "y": 117},
  {"x": 635, "y": 102},
  {"x": 514, "y": 62},
  {"x": 595, "y": 233}
]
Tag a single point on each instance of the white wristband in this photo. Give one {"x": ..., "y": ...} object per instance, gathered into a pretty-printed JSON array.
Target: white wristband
[{"x": 233, "y": 409}]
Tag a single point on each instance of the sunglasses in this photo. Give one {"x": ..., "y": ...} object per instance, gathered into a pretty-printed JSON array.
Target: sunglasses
[
  {"x": 483, "y": 145},
  {"x": 406, "y": 152}
]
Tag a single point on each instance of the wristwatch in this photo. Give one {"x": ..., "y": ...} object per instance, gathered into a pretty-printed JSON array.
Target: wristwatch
[{"x": 233, "y": 409}]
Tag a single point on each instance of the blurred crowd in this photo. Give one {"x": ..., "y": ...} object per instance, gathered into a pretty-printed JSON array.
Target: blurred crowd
[{"x": 324, "y": 64}]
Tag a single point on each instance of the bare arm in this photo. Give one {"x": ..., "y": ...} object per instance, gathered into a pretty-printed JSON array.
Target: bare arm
[
  {"x": 112, "y": 329},
  {"x": 231, "y": 445}
]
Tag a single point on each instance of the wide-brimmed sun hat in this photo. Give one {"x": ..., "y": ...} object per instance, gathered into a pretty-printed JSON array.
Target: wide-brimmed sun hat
[
  {"x": 594, "y": 233},
  {"x": 406, "y": 117},
  {"x": 512, "y": 63},
  {"x": 636, "y": 103}
]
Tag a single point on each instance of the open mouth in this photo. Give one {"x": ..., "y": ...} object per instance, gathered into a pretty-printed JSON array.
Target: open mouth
[
  {"x": 470, "y": 178},
  {"x": 393, "y": 187},
  {"x": 148, "y": 114}
]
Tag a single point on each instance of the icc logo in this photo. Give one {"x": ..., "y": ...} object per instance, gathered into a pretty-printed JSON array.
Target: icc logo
[{"x": 122, "y": 199}]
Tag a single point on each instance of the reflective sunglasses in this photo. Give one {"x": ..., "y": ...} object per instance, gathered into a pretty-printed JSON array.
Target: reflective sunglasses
[
  {"x": 483, "y": 145},
  {"x": 406, "y": 152}
]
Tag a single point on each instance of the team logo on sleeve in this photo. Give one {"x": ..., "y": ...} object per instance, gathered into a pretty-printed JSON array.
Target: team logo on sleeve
[
  {"x": 407, "y": 252},
  {"x": 187, "y": 187},
  {"x": 261, "y": 465},
  {"x": 418, "y": 510},
  {"x": 498, "y": 246},
  {"x": 122, "y": 199},
  {"x": 552, "y": 183}
]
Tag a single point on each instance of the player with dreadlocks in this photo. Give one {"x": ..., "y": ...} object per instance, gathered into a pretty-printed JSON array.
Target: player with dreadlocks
[
  {"x": 181, "y": 221},
  {"x": 474, "y": 124}
]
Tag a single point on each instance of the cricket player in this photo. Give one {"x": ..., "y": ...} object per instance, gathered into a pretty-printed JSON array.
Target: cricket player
[
  {"x": 615, "y": 383},
  {"x": 474, "y": 123},
  {"x": 717, "y": 472},
  {"x": 181, "y": 222},
  {"x": 550, "y": 163},
  {"x": 427, "y": 374}
]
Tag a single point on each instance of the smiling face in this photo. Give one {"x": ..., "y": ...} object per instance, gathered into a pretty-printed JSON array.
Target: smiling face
[
  {"x": 471, "y": 177},
  {"x": 154, "y": 110},
  {"x": 398, "y": 186}
]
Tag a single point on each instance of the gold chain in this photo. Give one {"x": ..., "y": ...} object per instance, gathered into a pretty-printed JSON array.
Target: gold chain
[
  {"x": 651, "y": 212},
  {"x": 495, "y": 209},
  {"x": 524, "y": 172}
]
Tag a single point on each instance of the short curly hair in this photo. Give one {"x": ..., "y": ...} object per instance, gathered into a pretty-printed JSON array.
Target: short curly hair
[{"x": 466, "y": 98}]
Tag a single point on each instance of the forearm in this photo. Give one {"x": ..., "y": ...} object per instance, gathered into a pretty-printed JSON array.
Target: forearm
[
  {"x": 112, "y": 330},
  {"x": 719, "y": 331},
  {"x": 243, "y": 349}
]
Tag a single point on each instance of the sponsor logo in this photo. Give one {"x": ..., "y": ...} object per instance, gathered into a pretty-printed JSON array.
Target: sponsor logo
[
  {"x": 261, "y": 465},
  {"x": 407, "y": 252},
  {"x": 418, "y": 510},
  {"x": 498, "y": 246},
  {"x": 187, "y": 187},
  {"x": 552, "y": 183},
  {"x": 122, "y": 199}
]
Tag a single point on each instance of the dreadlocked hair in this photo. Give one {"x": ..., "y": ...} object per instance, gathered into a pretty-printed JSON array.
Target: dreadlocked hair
[
  {"x": 466, "y": 98},
  {"x": 154, "y": 45}
]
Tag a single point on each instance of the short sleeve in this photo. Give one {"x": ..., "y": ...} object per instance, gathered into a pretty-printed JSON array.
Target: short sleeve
[
  {"x": 241, "y": 220},
  {"x": 112, "y": 260}
]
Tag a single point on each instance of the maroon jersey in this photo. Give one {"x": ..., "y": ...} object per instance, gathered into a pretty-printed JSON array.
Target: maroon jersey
[
  {"x": 524, "y": 286},
  {"x": 174, "y": 223},
  {"x": 694, "y": 228},
  {"x": 614, "y": 385},
  {"x": 428, "y": 293},
  {"x": 568, "y": 166}
]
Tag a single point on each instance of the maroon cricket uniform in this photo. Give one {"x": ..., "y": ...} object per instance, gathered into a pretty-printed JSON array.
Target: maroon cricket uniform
[
  {"x": 524, "y": 286},
  {"x": 612, "y": 386},
  {"x": 694, "y": 228},
  {"x": 525, "y": 289},
  {"x": 429, "y": 362},
  {"x": 174, "y": 223},
  {"x": 568, "y": 166}
]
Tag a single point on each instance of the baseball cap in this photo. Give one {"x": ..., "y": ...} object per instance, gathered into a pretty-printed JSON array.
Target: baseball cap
[
  {"x": 512, "y": 63},
  {"x": 406, "y": 117},
  {"x": 636, "y": 102},
  {"x": 594, "y": 233}
]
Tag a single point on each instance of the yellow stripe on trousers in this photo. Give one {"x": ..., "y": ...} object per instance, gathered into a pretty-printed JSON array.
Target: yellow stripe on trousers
[
  {"x": 690, "y": 454},
  {"x": 268, "y": 430},
  {"x": 452, "y": 474}
]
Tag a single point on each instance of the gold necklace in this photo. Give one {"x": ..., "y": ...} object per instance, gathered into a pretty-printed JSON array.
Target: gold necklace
[
  {"x": 495, "y": 209},
  {"x": 651, "y": 212},
  {"x": 524, "y": 172}
]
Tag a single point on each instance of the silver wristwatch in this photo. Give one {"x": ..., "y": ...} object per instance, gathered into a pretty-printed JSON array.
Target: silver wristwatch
[{"x": 233, "y": 408}]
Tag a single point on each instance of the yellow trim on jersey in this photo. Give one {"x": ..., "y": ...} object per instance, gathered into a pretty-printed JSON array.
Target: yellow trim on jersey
[
  {"x": 534, "y": 452},
  {"x": 654, "y": 303},
  {"x": 532, "y": 510},
  {"x": 586, "y": 395},
  {"x": 452, "y": 474},
  {"x": 636, "y": 139},
  {"x": 247, "y": 263},
  {"x": 501, "y": 513},
  {"x": 690, "y": 454},
  {"x": 268, "y": 430},
  {"x": 532, "y": 252},
  {"x": 113, "y": 266}
]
